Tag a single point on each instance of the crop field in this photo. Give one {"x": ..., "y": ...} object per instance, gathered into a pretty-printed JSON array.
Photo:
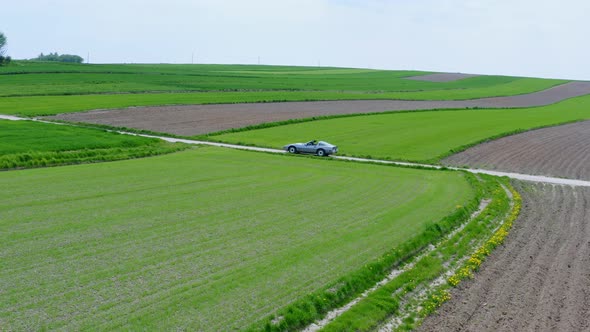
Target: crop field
[
  {"x": 415, "y": 136},
  {"x": 214, "y": 239},
  {"x": 33, "y": 144},
  {"x": 29, "y": 88},
  {"x": 562, "y": 151},
  {"x": 190, "y": 120},
  {"x": 208, "y": 239},
  {"x": 51, "y": 105},
  {"x": 539, "y": 279},
  {"x": 26, "y": 78}
]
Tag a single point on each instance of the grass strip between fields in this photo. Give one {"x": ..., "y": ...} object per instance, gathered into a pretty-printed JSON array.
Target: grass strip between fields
[
  {"x": 29, "y": 144},
  {"x": 34, "y": 159},
  {"x": 411, "y": 296}
]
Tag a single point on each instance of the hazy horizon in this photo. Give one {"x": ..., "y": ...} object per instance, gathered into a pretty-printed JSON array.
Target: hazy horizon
[{"x": 519, "y": 38}]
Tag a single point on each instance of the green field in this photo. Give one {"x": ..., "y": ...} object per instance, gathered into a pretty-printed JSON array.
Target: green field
[
  {"x": 29, "y": 78},
  {"x": 32, "y": 144},
  {"x": 414, "y": 136},
  {"x": 51, "y": 105},
  {"x": 208, "y": 239},
  {"x": 215, "y": 239},
  {"x": 30, "y": 88}
]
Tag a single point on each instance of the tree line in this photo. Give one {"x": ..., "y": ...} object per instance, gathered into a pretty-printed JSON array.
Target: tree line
[
  {"x": 59, "y": 58},
  {"x": 4, "y": 59}
]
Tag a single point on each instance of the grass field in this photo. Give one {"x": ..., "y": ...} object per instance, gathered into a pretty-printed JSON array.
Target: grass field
[
  {"x": 32, "y": 144},
  {"x": 415, "y": 136},
  {"x": 50, "y": 105},
  {"x": 29, "y": 78},
  {"x": 30, "y": 88},
  {"x": 212, "y": 239},
  {"x": 207, "y": 239}
]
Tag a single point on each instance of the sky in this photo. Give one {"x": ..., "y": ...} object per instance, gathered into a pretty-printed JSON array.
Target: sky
[{"x": 538, "y": 38}]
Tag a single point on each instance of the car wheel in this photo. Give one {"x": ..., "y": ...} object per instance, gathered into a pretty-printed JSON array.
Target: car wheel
[
  {"x": 292, "y": 149},
  {"x": 321, "y": 152}
]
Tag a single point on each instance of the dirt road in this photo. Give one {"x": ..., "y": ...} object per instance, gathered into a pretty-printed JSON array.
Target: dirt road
[
  {"x": 562, "y": 151},
  {"x": 539, "y": 280},
  {"x": 200, "y": 119}
]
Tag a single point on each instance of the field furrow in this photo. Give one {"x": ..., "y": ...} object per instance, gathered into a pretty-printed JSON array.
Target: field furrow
[
  {"x": 538, "y": 280},
  {"x": 562, "y": 151}
]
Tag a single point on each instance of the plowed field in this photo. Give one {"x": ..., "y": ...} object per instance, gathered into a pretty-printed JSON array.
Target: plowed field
[
  {"x": 562, "y": 151},
  {"x": 539, "y": 279},
  {"x": 200, "y": 119}
]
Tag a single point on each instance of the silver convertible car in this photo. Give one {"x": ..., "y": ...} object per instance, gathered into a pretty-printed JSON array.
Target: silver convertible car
[{"x": 320, "y": 148}]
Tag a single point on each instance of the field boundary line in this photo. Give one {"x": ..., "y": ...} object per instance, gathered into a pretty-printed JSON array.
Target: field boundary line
[{"x": 517, "y": 176}]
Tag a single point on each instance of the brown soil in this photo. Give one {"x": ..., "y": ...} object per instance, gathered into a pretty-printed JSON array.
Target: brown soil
[
  {"x": 200, "y": 119},
  {"x": 562, "y": 151},
  {"x": 539, "y": 280},
  {"x": 441, "y": 77}
]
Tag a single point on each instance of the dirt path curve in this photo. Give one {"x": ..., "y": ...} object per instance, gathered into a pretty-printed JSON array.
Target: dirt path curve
[
  {"x": 539, "y": 280},
  {"x": 191, "y": 120},
  {"x": 562, "y": 151}
]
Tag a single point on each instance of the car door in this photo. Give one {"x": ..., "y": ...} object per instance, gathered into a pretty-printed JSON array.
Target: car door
[{"x": 309, "y": 147}]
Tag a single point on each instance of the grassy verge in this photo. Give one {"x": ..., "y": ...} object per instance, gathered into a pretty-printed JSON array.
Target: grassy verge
[
  {"x": 207, "y": 239},
  {"x": 411, "y": 290},
  {"x": 472, "y": 265},
  {"x": 415, "y": 136},
  {"x": 28, "y": 144},
  {"x": 36, "y": 159}
]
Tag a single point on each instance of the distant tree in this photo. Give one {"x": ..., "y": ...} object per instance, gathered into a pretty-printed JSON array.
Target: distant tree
[
  {"x": 59, "y": 58},
  {"x": 70, "y": 58},
  {"x": 3, "y": 59},
  {"x": 2, "y": 43}
]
